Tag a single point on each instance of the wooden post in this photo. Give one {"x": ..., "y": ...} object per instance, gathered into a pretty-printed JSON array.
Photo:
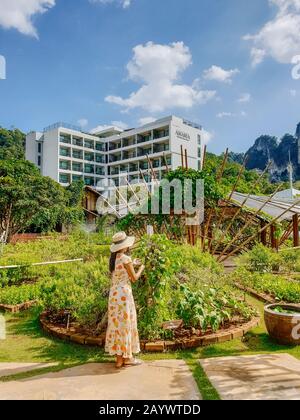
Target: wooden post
[
  {"x": 296, "y": 230},
  {"x": 186, "y": 160},
  {"x": 273, "y": 237},
  {"x": 263, "y": 234}
]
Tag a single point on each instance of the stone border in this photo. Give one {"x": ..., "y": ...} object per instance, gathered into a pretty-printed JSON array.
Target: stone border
[
  {"x": 150, "y": 346},
  {"x": 260, "y": 296},
  {"x": 17, "y": 308}
]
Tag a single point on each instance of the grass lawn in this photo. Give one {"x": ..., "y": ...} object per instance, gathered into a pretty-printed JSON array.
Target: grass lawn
[{"x": 26, "y": 342}]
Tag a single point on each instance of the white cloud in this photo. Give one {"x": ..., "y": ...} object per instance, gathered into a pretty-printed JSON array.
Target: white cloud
[
  {"x": 124, "y": 3},
  {"x": 280, "y": 37},
  {"x": 158, "y": 68},
  {"x": 18, "y": 14},
  {"x": 99, "y": 128},
  {"x": 120, "y": 124},
  {"x": 207, "y": 136},
  {"x": 146, "y": 120},
  {"x": 231, "y": 114},
  {"x": 244, "y": 98},
  {"x": 83, "y": 122},
  {"x": 220, "y": 75}
]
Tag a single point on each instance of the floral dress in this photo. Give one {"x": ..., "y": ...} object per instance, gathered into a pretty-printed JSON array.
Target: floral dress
[{"x": 122, "y": 337}]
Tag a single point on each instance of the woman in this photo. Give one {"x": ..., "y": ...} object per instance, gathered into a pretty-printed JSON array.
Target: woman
[{"x": 122, "y": 339}]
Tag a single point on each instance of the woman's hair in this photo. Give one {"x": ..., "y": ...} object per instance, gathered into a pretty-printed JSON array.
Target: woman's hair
[{"x": 112, "y": 261}]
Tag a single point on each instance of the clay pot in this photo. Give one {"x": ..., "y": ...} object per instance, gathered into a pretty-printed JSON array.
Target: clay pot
[{"x": 284, "y": 328}]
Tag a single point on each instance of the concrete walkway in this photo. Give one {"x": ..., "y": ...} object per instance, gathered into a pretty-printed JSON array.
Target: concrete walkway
[
  {"x": 162, "y": 380},
  {"x": 9, "y": 369},
  {"x": 262, "y": 377}
]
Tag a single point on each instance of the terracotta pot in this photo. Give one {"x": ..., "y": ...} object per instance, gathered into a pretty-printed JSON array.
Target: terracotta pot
[{"x": 283, "y": 328}]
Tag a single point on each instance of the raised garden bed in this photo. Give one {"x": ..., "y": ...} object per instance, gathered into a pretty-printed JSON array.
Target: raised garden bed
[
  {"x": 76, "y": 335},
  {"x": 263, "y": 297},
  {"x": 17, "y": 308}
]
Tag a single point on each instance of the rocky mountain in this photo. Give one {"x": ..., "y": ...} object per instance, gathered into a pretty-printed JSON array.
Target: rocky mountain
[{"x": 278, "y": 151}]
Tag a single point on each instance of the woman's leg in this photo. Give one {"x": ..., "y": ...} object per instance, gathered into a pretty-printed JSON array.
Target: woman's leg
[{"x": 119, "y": 361}]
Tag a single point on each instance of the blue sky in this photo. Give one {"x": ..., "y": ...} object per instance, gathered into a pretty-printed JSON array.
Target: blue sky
[{"x": 223, "y": 63}]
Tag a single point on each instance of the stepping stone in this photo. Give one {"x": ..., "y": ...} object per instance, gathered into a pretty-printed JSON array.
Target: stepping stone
[
  {"x": 162, "y": 380},
  {"x": 261, "y": 377},
  {"x": 8, "y": 369}
]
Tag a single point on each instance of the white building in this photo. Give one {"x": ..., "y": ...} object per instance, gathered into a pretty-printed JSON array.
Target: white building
[{"x": 67, "y": 154}]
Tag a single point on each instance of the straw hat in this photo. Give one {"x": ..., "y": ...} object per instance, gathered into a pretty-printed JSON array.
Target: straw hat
[{"x": 121, "y": 241}]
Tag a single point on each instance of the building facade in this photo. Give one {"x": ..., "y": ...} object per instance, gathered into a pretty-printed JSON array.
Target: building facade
[{"x": 67, "y": 154}]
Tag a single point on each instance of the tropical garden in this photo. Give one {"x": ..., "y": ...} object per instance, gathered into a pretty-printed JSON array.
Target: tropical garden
[{"x": 66, "y": 276}]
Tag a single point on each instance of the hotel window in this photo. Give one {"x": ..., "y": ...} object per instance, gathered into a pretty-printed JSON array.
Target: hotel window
[
  {"x": 39, "y": 160},
  {"x": 89, "y": 181},
  {"x": 100, "y": 147},
  {"x": 77, "y": 141},
  {"x": 199, "y": 165},
  {"x": 64, "y": 151},
  {"x": 199, "y": 140},
  {"x": 100, "y": 158},
  {"x": 133, "y": 167},
  {"x": 100, "y": 170},
  {"x": 76, "y": 178},
  {"x": 89, "y": 156},
  {"x": 39, "y": 147},
  {"x": 89, "y": 144},
  {"x": 65, "y": 164},
  {"x": 89, "y": 169},
  {"x": 77, "y": 167},
  {"x": 64, "y": 178},
  {"x": 199, "y": 152},
  {"x": 65, "y": 138},
  {"x": 77, "y": 154}
]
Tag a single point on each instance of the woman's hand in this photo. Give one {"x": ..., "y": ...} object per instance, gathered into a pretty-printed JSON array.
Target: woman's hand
[{"x": 137, "y": 262}]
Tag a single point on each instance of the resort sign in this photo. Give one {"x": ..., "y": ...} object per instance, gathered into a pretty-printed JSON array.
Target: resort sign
[{"x": 182, "y": 135}]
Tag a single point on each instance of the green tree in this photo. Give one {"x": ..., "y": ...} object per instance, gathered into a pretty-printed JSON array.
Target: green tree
[
  {"x": 12, "y": 144},
  {"x": 29, "y": 199}
]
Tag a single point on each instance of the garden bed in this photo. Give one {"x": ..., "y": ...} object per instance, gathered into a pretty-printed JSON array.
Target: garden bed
[
  {"x": 17, "y": 308},
  {"x": 77, "y": 335}
]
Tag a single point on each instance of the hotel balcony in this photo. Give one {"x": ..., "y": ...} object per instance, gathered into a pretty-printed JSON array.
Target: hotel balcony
[
  {"x": 77, "y": 154},
  {"x": 65, "y": 165},
  {"x": 89, "y": 169},
  {"x": 65, "y": 138},
  {"x": 129, "y": 142},
  {"x": 65, "y": 151},
  {"x": 89, "y": 144},
  {"x": 143, "y": 138},
  {"x": 115, "y": 158},
  {"x": 159, "y": 148},
  {"x": 77, "y": 167},
  {"x": 77, "y": 141},
  {"x": 129, "y": 155},
  {"x": 115, "y": 146},
  {"x": 158, "y": 134},
  {"x": 89, "y": 157},
  {"x": 142, "y": 152},
  {"x": 100, "y": 147}
]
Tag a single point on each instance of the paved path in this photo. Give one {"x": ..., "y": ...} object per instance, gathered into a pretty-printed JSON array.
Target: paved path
[
  {"x": 262, "y": 377},
  {"x": 162, "y": 380},
  {"x": 8, "y": 369}
]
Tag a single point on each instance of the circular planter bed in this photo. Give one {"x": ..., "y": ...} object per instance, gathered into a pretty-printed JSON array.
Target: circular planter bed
[
  {"x": 283, "y": 323},
  {"x": 77, "y": 335}
]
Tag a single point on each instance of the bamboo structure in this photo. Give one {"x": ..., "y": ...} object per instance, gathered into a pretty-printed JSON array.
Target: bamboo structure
[
  {"x": 240, "y": 210},
  {"x": 261, "y": 230},
  {"x": 252, "y": 217},
  {"x": 219, "y": 222},
  {"x": 219, "y": 177}
]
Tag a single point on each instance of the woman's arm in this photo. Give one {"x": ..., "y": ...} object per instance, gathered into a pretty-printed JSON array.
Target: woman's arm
[{"x": 134, "y": 277}]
